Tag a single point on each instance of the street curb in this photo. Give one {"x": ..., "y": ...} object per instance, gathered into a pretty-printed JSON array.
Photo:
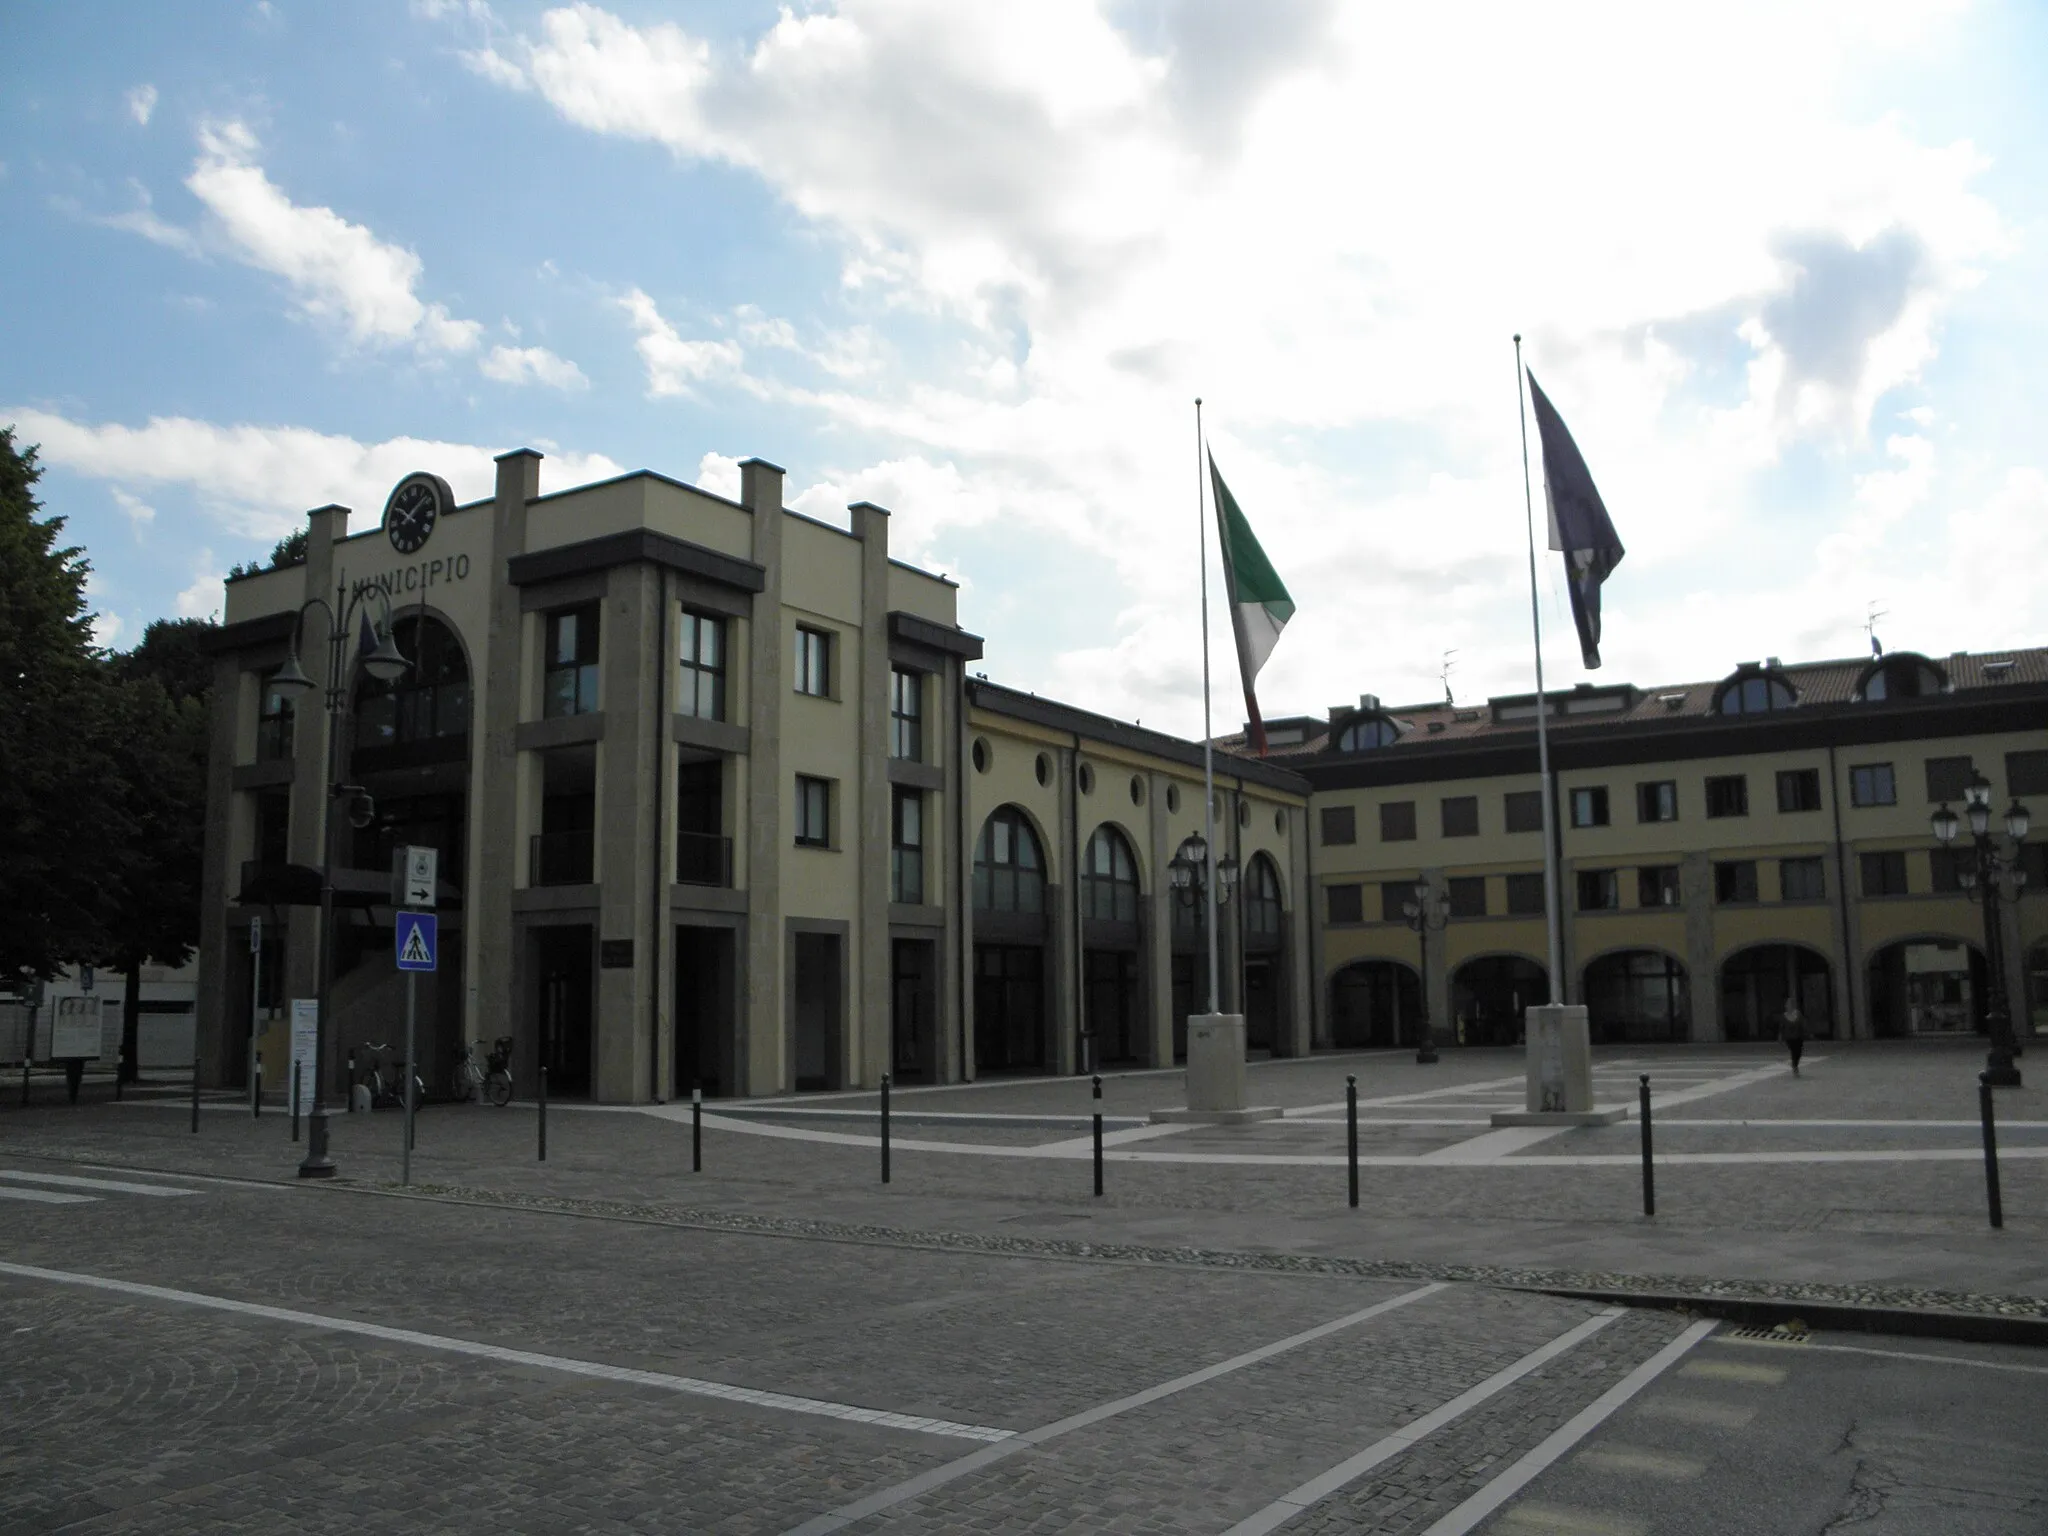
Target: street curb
[{"x": 1975, "y": 1328}]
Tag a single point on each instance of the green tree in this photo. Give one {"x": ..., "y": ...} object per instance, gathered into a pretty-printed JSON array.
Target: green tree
[
  {"x": 50, "y": 682},
  {"x": 174, "y": 653}
]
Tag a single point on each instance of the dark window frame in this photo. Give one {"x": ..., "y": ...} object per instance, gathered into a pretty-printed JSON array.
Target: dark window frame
[
  {"x": 906, "y": 715},
  {"x": 1735, "y": 883},
  {"x": 1009, "y": 864},
  {"x": 1888, "y": 865},
  {"x": 1516, "y": 805},
  {"x": 1947, "y": 777},
  {"x": 570, "y": 673},
  {"x": 1519, "y": 889},
  {"x": 1653, "y": 881},
  {"x": 906, "y": 845},
  {"x": 1467, "y": 895},
  {"x": 1344, "y": 904},
  {"x": 1109, "y": 877},
  {"x": 813, "y": 811},
  {"x": 1798, "y": 791},
  {"x": 1605, "y": 886},
  {"x": 1339, "y": 826},
  {"x": 1657, "y": 800},
  {"x": 1597, "y": 806},
  {"x": 1397, "y": 821},
  {"x": 1459, "y": 815},
  {"x": 1802, "y": 864},
  {"x": 1865, "y": 783},
  {"x": 813, "y": 662},
  {"x": 1727, "y": 796},
  {"x": 699, "y": 674}
]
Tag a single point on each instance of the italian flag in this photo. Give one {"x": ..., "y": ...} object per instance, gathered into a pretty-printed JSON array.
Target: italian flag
[{"x": 1259, "y": 604}]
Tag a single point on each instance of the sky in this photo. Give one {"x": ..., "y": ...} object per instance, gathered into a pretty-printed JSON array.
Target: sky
[{"x": 1782, "y": 268}]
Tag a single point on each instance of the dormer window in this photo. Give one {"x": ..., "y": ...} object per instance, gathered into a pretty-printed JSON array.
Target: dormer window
[
  {"x": 1755, "y": 692},
  {"x": 1900, "y": 677},
  {"x": 1366, "y": 732}
]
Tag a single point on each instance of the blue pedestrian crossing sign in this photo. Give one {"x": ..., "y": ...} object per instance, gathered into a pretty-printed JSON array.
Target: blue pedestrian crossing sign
[{"x": 417, "y": 936}]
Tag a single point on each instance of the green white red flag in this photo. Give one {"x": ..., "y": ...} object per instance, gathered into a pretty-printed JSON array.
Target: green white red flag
[{"x": 1259, "y": 604}]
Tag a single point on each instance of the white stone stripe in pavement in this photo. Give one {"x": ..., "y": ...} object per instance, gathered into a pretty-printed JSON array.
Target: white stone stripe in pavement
[
  {"x": 690, "y": 1385},
  {"x": 1566, "y": 1435},
  {"x": 924, "y": 1482},
  {"x": 72, "y": 1181},
  {"x": 45, "y": 1196},
  {"x": 1892, "y": 1354},
  {"x": 1320, "y": 1487}
]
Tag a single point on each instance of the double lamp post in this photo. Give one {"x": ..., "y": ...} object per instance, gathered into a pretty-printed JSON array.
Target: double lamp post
[
  {"x": 381, "y": 659},
  {"x": 1983, "y": 878}
]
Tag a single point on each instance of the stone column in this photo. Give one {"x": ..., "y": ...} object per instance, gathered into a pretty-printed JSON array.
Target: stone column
[
  {"x": 761, "y": 1067},
  {"x": 1304, "y": 931},
  {"x": 1436, "y": 980},
  {"x": 1159, "y": 902},
  {"x": 1696, "y": 891},
  {"x": 870, "y": 1004},
  {"x": 499, "y": 690},
  {"x": 625, "y": 832}
]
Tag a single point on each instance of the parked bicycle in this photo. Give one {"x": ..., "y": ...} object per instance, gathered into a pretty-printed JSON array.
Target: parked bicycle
[
  {"x": 384, "y": 1076},
  {"x": 492, "y": 1080}
]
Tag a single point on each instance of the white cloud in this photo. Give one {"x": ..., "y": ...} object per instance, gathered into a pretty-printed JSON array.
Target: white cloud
[
  {"x": 257, "y": 481},
  {"x": 719, "y": 474},
  {"x": 531, "y": 365},
  {"x": 140, "y": 512},
  {"x": 494, "y": 67},
  {"x": 203, "y": 598},
  {"x": 338, "y": 270},
  {"x": 672, "y": 363},
  {"x": 141, "y": 103},
  {"x": 142, "y": 220}
]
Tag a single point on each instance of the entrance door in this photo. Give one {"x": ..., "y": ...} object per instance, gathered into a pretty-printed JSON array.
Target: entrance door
[
  {"x": 1184, "y": 993},
  {"x": 1112, "y": 981},
  {"x": 913, "y": 1014},
  {"x": 816, "y": 1011},
  {"x": 706, "y": 1032},
  {"x": 564, "y": 976},
  {"x": 1009, "y": 1008},
  {"x": 1261, "y": 1003}
]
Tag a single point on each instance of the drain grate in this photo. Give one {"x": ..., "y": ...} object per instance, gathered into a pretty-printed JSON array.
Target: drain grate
[{"x": 1784, "y": 1333}]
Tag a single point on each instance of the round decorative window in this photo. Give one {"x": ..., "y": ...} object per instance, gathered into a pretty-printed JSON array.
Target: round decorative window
[
  {"x": 1173, "y": 798},
  {"x": 1044, "y": 769},
  {"x": 1137, "y": 789},
  {"x": 983, "y": 755},
  {"x": 1086, "y": 776}
]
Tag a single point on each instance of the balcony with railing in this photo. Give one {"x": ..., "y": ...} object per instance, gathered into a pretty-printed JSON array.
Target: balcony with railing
[
  {"x": 703, "y": 858},
  {"x": 560, "y": 858}
]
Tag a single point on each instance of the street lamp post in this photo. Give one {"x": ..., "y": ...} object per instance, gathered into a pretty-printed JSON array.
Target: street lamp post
[
  {"x": 1188, "y": 871},
  {"x": 1427, "y": 913},
  {"x": 1982, "y": 881},
  {"x": 383, "y": 662}
]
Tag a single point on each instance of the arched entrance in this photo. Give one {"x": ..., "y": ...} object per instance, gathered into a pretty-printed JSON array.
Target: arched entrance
[
  {"x": 1264, "y": 966},
  {"x": 1375, "y": 1004},
  {"x": 2036, "y": 1016},
  {"x": 1756, "y": 982},
  {"x": 1637, "y": 996},
  {"x": 1927, "y": 986},
  {"x": 1109, "y": 947},
  {"x": 1489, "y": 995},
  {"x": 1009, "y": 945}
]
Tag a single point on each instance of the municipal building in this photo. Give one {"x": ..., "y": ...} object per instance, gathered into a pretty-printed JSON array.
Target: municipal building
[{"x": 722, "y": 798}]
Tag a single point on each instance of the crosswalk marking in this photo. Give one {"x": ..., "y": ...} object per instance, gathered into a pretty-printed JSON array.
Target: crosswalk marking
[
  {"x": 1729, "y": 1370},
  {"x": 44, "y": 1196},
  {"x": 1641, "y": 1461},
  {"x": 1555, "y": 1520},
  {"x": 72, "y": 1181},
  {"x": 1697, "y": 1410}
]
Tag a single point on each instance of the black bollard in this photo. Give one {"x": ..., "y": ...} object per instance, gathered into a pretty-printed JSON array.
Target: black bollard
[
  {"x": 1649, "y": 1169},
  {"x": 349, "y": 1093},
  {"x": 1098, "y": 1136},
  {"x": 195, "y": 1095},
  {"x": 293, "y": 1098},
  {"x": 256, "y": 1098},
  {"x": 885, "y": 1127},
  {"x": 543, "y": 1114},
  {"x": 1990, "y": 1150},
  {"x": 1351, "y": 1134},
  {"x": 120, "y": 1066},
  {"x": 697, "y": 1128}
]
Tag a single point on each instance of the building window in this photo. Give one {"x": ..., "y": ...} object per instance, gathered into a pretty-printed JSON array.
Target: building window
[
  {"x": 1755, "y": 695},
  {"x": 1798, "y": 789},
  {"x": 1394, "y": 898},
  {"x": 1523, "y": 810},
  {"x": 1009, "y": 872},
  {"x": 1728, "y": 795},
  {"x": 906, "y": 846},
  {"x": 1884, "y": 874},
  {"x": 1344, "y": 903},
  {"x": 1947, "y": 777},
  {"x": 1364, "y": 735},
  {"x": 906, "y": 715},
  {"x": 1946, "y": 866},
  {"x": 1589, "y": 807},
  {"x": 1397, "y": 821},
  {"x": 1900, "y": 677},
  {"x": 1468, "y": 895},
  {"x": 1802, "y": 880},
  {"x": 1599, "y": 890},
  {"x": 273, "y": 721},
  {"x": 1735, "y": 882},
  {"x": 2026, "y": 773},
  {"x": 1872, "y": 784},
  {"x": 813, "y": 662},
  {"x": 273, "y": 827},
  {"x": 1261, "y": 899},
  {"x": 569, "y": 681},
  {"x": 1657, "y": 886},
  {"x": 702, "y": 693},
  {"x": 813, "y": 812},
  {"x": 1109, "y": 878},
  {"x": 1657, "y": 801},
  {"x": 1340, "y": 825},
  {"x": 1461, "y": 816},
  {"x": 1525, "y": 895}
]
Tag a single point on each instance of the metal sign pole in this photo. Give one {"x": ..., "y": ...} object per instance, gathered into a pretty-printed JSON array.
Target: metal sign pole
[
  {"x": 412, "y": 983},
  {"x": 255, "y": 1012}
]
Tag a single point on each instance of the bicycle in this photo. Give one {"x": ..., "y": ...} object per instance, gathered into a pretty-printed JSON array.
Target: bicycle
[
  {"x": 385, "y": 1080},
  {"x": 493, "y": 1079}
]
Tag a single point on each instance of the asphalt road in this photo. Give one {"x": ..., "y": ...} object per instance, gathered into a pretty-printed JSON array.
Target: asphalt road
[{"x": 196, "y": 1355}]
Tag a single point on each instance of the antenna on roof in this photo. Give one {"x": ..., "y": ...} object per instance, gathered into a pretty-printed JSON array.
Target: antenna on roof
[
  {"x": 1870, "y": 619},
  {"x": 1449, "y": 665}
]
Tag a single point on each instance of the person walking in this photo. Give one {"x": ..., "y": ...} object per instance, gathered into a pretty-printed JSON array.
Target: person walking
[{"x": 1792, "y": 1030}]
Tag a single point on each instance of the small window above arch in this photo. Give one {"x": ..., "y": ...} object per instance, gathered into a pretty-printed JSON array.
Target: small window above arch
[
  {"x": 1365, "y": 732},
  {"x": 1755, "y": 691},
  {"x": 1902, "y": 676}
]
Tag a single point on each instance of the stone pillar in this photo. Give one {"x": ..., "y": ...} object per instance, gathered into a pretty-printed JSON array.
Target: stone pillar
[
  {"x": 1696, "y": 891},
  {"x": 500, "y": 689},
  {"x": 1303, "y": 932},
  {"x": 1436, "y": 979},
  {"x": 761, "y": 1066},
  {"x": 870, "y": 1004},
  {"x": 1159, "y": 901},
  {"x": 625, "y": 842}
]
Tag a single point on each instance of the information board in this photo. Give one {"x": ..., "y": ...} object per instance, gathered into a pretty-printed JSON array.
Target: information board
[
  {"x": 75, "y": 1030},
  {"x": 305, "y": 1046}
]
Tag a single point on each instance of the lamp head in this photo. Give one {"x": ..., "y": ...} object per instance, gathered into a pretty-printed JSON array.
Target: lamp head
[
  {"x": 1180, "y": 872},
  {"x": 290, "y": 679},
  {"x": 1978, "y": 814},
  {"x": 385, "y": 663},
  {"x": 1946, "y": 825},
  {"x": 2017, "y": 822},
  {"x": 1978, "y": 790},
  {"x": 362, "y": 809},
  {"x": 1194, "y": 849}
]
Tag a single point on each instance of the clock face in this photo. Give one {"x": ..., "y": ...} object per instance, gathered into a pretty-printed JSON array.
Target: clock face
[{"x": 414, "y": 507}]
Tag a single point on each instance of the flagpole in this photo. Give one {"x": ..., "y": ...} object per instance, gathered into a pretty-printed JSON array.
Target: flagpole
[
  {"x": 1208, "y": 734},
  {"x": 1550, "y": 917}
]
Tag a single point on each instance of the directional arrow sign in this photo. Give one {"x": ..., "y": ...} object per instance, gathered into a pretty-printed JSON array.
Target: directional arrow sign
[{"x": 417, "y": 940}]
